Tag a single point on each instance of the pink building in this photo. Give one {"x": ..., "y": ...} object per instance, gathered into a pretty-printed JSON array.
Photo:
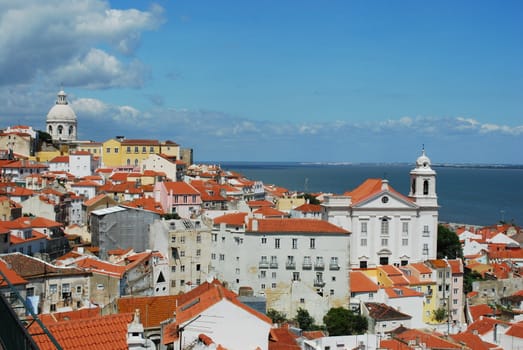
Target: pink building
[{"x": 178, "y": 197}]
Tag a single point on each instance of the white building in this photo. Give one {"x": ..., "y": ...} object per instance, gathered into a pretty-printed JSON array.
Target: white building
[
  {"x": 81, "y": 164},
  {"x": 388, "y": 227},
  {"x": 61, "y": 121},
  {"x": 295, "y": 263}
]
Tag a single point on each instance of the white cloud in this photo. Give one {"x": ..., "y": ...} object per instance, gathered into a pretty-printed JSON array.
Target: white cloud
[{"x": 39, "y": 38}]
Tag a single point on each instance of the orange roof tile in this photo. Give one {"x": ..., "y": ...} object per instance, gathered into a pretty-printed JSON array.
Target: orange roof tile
[
  {"x": 95, "y": 333},
  {"x": 309, "y": 208},
  {"x": 421, "y": 268},
  {"x": 153, "y": 310},
  {"x": 294, "y": 225},
  {"x": 369, "y": 188},
  {"x": 11, "y": 275},
  {"x": 483, "y": 325},
  {"x": 473, "y": 341},
  {"x": 476, "y": 311},
  {"x": 180, "y": 187},
  {"x": 430, "y": 339},
  {"x": 401, "y": 292},
  {"x": 359, "y": 283},
  {"x": 233, "y": 219}
]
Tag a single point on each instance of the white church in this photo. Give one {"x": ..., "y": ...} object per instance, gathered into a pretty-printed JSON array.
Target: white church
[
  {"x": 61, "y": 122},
  {"x": 386, "y": 226}
]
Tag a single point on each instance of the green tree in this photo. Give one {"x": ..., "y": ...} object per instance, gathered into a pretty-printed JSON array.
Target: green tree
[
  {"x": 469, "y": 277},
  {"x": 311, "y": 198},
  {"x": 439, "y": 315},
  {"x": 448, "y": 244},
  {"x": 276, "y": 316},
  {"x": 305, "y": 320},
  {"x": 340, "y": 321}
]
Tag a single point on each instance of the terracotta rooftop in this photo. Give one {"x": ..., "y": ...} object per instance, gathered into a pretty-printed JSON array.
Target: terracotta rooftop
[
  {"x": 29, "y": 267},
  {"x": 369, "y": 188},
  {"x": 360, "y": 283},
  {"x": 383, "y": 312},
  {"x": 11, "y": 275},
  {"x": 180, "y": 187},
  {"x": 153, "y": 309},
  {"x": 95, "y": 333},
  {"x": 401, "y": 292},
  {"x": 309, "y": 208},
  {"x": 432, "y": 340},
  {"x": 294, "y": 226},
  {"x": 233, "y": 219}
]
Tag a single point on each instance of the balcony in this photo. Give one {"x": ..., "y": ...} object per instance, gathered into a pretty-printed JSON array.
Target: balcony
[
  {"x": 319, "y": 266},
  {"x": 263, "y": 264},
  {"x": 307, "y": 265},
  {"x": 319, "y": 283},
  {"x": 334, "y": 266},
  {"x": 290, "y": 265},
  {"x": 273, "y": 265}
]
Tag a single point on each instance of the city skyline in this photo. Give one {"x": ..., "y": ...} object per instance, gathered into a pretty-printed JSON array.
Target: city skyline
[{"x": 275, "y": 81}]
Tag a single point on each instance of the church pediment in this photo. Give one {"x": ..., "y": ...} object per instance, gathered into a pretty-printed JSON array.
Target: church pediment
[{"x": 387, "y": 199}]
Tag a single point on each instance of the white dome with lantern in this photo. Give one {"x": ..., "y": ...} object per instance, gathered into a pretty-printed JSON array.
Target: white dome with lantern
[{"x": 61, "y": 122}]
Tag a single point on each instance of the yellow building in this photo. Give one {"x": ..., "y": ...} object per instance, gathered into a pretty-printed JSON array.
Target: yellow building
[
  {"x": 95, "y": 148},
  {"x": 171, "y": 149},
  {"x": 135, "y": 151},
  {"x": 112, "y": 153}
]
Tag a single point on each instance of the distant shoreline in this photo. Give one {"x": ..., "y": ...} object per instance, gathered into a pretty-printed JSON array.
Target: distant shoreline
[{"x": 435, "y": 165}]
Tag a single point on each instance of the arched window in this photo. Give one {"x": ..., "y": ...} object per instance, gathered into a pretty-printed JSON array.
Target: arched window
[
  {"x": 128, "y": 161},
  {"x": 413, "y": 186},
  {"x": 60, "y": 129},
  {"x": 50, "y": 129},
  {"x": 136, "y": 162},
  {"x": 71, "y": 130},
  {"x": 426, "y": 187}
]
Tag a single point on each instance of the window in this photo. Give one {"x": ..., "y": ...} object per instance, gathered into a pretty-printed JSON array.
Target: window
[
  {"x": 53, "y": 288},
  {"x": 426, "y": 187},
  {"x": 426, "y": 230},
  {"x": 182, "y": 253},
  {"x": 78, "y": 289},
  {"x": 264, "y": 240},
  {"x": 198, "y": 267},
  {"x": 53, "y": 308},
  {"x": 173, "y": 268},
  {"x": 263, "y": 274},
  {"x": 312, "y": 243},
  {"x": 66, "y": 288},
  {"x": 405, "y": 228},
  {"x": 363, "y": 242},
  {"x": 331, "y": 292},
  {"x": 384, "y": 226},
  {"x": 364, "y": 228},
  {"x": 182, "y": 268},
  {"x": 198, "y": 239},
  {"x": 363, "y": 264},
  {"x": 302, "y": 300},
  {"x": 222, "y": 257},
  {"x": 100, "y": 286},
  {"x": 115, "y": 150},
  {"x": 384, "y": 260},
  {"x": 277, "y": 243},
  {"x": 213, "y": 256},
  {"x": 198, "y": 252},
  {"x": 262, "y": 286},
  {"x": 273, "y": 285},
  {"x": 237, "y": 271},
  {"x": 295, "y": 276},
  {"x": 173, "y": 239},
  {"x": 144, "y": 149},
  {"x": 108, "y": 150},
  {"x": 128, "y": 149},
  {"x": 384, "y": 242},
  {"x": 425, "y": 249},
  {"x": 295, "y": 243},
  {"x": 273, "y": 275},
  {"x": 405, "y": 242},
  {"x": 151, "y": 149},
  {"x": 214, "y": 237},
  {"x": 455, "y": 301},
  {"x": 136, "y": 149},
  {"x": 182, "y": 239}
]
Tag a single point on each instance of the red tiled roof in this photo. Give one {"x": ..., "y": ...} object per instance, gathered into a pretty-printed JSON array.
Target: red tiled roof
[
  {"x": 473, "y": 341},
  {"x": 95, "y": 333},
  {"x": 369, "y": 188},
  {"x": 85, "y": 183},
  {"x": 360, "y": 283},
  {"x": 430, "y": 339},
  {"x": 309, "y": 208},
  {"x": 283, "y": 339},
  {"x": 95, "y": 199},
  {"x": 421, "y": 268},
  {"x": 153, "y": 310},
  {"x": 483, "y": 325},
  {"x": 43, "y": 222},
  {"x": 146, "y": 203},
  {"x": 180, "y": 187},
  {"x": 139, "y": 142},
  {"x": 70, "y": 315},
  {"x": 393, "y": 344},
  {"x": 60, "y": 159},
  {"x": 516, "y": 330},
  {"x": 401, "y": 292},
  {"x": 260, "y": 203},
  {"x": 313, "y": 334},
  {"x": 11, "y": 275},
  {"x": 234, "y": 219},
  {"x": 269, "y": 212},
  {"x": 476, "y": 311},
  {"x": 295, "y": 225}
]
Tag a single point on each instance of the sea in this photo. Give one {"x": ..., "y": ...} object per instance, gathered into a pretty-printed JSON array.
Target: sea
[{"x": 468, "y": 194}]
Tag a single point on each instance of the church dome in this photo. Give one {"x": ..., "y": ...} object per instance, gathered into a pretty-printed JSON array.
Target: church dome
[{"x": 61, "y": 111}]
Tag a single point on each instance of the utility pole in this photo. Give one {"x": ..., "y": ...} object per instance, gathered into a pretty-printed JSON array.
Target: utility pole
[{"x": 182, "y": 328}]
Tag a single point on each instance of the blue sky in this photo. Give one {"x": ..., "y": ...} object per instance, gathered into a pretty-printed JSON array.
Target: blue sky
[{"x": 339, "y": 80}]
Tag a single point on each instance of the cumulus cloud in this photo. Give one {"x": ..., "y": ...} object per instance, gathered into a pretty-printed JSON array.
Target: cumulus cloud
[{"x": 40, "y": 38}]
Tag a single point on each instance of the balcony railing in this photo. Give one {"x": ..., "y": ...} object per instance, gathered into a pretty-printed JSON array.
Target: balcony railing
[
  {"x": 264, "y": 264},
  {"x": 290, "y": 265},
  {"x": 319, "y": 266},
  {"x": 334, "y": 266},
  {"x": 273, "y": 265},
  {"x": 307, "y": 265},
  {"x": 319, "y": 283}
]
